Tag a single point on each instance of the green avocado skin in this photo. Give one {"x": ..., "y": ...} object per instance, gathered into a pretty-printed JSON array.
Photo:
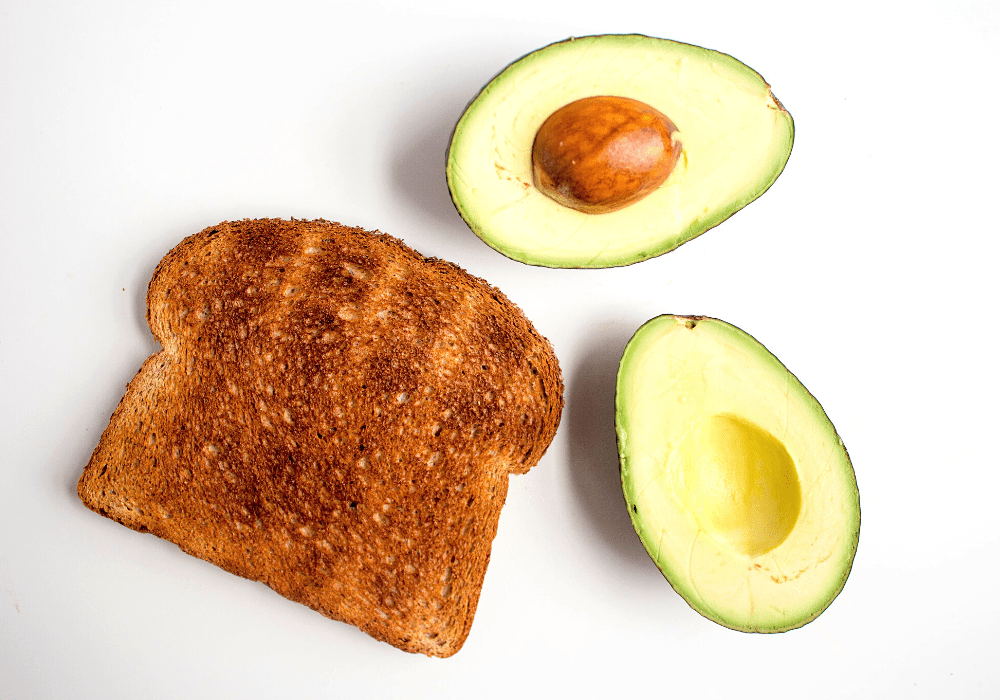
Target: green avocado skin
[
  {"x": 475, "y": 209},
  {"x": 630, "y": 444}
]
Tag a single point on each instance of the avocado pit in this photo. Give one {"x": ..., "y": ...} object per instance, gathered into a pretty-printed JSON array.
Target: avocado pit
[{"x": 600, "y": 154}]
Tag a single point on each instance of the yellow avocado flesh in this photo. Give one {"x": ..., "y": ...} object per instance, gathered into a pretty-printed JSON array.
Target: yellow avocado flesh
[
  {"x": 736, "y": 481},
  {"x": 735, "y": 140}
]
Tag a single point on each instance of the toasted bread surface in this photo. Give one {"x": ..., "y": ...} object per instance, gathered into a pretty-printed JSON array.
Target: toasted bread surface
[{"x": 334, "y": 415}]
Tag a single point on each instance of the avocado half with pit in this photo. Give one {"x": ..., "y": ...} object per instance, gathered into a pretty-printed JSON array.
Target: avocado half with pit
[
  {"x": 713, "y": 140},
  {"x": 735, "y": 479}
]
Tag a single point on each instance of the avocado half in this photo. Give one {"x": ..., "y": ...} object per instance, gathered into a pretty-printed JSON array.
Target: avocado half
[
  {"x": 736, "y": 138},
  {"x": 735, "y": 479}
]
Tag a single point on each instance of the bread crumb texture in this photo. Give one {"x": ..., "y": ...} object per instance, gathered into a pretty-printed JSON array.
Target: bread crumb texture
[{"x": 334, "y": 415}]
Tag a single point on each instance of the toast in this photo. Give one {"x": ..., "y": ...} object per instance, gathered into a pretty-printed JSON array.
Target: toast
[{"x": 333, "y": 415}]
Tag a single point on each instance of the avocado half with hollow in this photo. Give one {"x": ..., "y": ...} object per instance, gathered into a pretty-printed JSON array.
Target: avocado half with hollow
[
  {"x": 548, "y": 171},
  {"x": 735, "y": 479}
]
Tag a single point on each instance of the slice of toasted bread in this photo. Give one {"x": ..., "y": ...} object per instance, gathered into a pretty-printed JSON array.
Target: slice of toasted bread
[{"x": 334, "y": 415}]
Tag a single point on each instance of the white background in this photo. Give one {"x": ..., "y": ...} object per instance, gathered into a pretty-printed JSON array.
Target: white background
[{"x": 869, "y": 269}]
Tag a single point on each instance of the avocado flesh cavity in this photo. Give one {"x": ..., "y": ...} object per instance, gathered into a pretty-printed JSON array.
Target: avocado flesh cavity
[
  {"x": 735, "y": 137},
  {"x": 736, "y": 481}
]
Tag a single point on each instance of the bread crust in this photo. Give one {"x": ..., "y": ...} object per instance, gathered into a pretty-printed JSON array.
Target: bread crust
[{"x": 334, "y": 415}]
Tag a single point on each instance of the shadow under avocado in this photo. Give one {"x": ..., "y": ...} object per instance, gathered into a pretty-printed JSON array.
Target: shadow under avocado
[
  {"x": 418, "y": 166},
  {"x": 420, "y": 149},
  {"x": 594, "y": 470}
]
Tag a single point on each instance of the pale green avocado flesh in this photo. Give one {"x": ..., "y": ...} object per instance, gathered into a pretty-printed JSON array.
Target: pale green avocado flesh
[
  {"x": 736, "y": 138},
  {"x": 735, "y": 479}
]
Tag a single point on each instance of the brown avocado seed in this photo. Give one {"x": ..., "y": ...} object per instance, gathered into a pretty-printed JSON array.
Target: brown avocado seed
[{"x": 600, "y": 154}]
